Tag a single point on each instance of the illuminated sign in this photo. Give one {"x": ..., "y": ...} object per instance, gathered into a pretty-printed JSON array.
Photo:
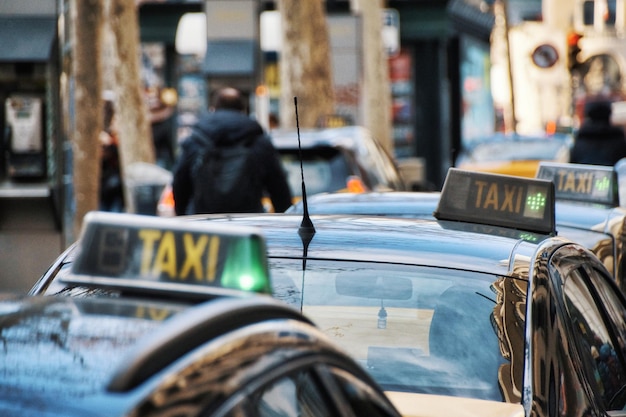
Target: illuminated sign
[
  {"x": 498, "y": 200},
  {"x": 151, "y": 253},
  {"x": 585, "y": 183}
]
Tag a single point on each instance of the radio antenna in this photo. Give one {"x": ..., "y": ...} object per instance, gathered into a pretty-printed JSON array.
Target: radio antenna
[{"x": 306, "y": 227}]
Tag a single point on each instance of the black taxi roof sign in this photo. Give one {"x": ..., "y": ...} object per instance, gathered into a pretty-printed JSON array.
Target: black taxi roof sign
[
  {"x": 594, "y": 184},
  {"x": 149, "y": 253},
  {"x": 498, "y": 200}
]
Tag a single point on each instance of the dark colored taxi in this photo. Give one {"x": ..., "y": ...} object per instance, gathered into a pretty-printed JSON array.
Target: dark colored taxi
[
  {"x": 482, "y": 309},
  {"x": 587, "y": 200},
  {"x": 176, "y": 329},
  {"x": 590, "y": 219}
]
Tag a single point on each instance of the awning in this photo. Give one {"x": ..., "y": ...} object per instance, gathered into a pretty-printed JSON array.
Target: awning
[
  {"x": 235, "y": 57},
  {"x": 26, "y": 39}
]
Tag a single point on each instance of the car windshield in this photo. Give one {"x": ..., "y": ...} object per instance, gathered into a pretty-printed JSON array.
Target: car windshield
[
  {"x": 325, "y": 169},
  {"x": 415, "y": 329},
  {"x": 519, "y": 150}
]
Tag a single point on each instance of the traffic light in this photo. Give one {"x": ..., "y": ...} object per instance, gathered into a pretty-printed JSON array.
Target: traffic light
[{"x": 573, "y": 49}]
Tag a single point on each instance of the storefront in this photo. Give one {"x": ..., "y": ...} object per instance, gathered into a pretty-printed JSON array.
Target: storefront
[{"x": 30, "y": 179}]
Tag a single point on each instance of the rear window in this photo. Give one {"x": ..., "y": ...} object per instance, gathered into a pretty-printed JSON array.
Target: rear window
[{"x": 325, "y": 170}]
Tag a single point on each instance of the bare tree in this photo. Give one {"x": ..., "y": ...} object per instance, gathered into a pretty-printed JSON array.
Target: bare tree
[
  {"x": 305, "y": 63},
  {"x": 135, "y": 140},
  {"x": 87, "y": 40},
  {"x": 376, "y": 86}
]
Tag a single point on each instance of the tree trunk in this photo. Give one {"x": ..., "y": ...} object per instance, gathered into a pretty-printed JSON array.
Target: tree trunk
[
  {"x": 135, "y": 142},
  {"x": 305, "y": 63},
  {"x": 376, "y": 86},
  {"x": 87, "y": 24}
]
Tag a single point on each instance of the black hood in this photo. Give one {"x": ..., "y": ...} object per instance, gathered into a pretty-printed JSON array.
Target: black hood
[{"x": 228, "y": 127}]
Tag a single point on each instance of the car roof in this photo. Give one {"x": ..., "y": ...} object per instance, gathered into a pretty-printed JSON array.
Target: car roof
[
  {"x": 348, "y": 137},
  {"x": 446, "y": 244},
  {"x": 67, "y": 352},
  {"x": 391, "y": 203}
]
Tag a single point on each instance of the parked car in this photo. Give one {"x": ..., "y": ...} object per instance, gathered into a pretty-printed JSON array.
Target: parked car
[
  {"x": 514, "y": 154},
  {"x": 482, "y": 305}
]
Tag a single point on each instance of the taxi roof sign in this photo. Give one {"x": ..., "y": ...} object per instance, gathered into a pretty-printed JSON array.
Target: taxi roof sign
[
  {"x": 498, "y": 200},
  {"x": 147, "y": 253},
  {"x": 595, "y": 184}
]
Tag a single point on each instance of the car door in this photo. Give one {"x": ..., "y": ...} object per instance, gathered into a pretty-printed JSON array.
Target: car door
[{"x": 594, "y": 312}]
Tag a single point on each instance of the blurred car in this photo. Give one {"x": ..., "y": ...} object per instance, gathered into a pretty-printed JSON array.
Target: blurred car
[
  {"x": 332, "y": 159},
  {"x": 185, "y": 337},
  {"x": 336, "y": 159},
  {"x": 514, "y": 154},
  {"x": 482, "y": 308}
]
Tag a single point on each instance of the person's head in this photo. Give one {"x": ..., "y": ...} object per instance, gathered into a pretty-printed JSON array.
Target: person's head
[
  {"x": 229, "y": 98},
  {"x": 599, "y": 111}
]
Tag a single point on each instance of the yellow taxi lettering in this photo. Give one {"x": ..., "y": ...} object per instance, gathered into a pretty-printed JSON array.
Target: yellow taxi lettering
[
  {"x": 489, "y": 196},
  {"x": 165, "y": 259},
  {"x": 211, "y": 269},
  {"x": 193, "y": 256},
  {"x": 491, "y": 200},
  {"x": 586, "y": 182},
  {"x": 479, "y": 194},
  {"x": 149, "y": 238},
  {"x": 511, "y": 203},
  {"x": 580, "y": 182},
  {"x": 158, "y": 314}
]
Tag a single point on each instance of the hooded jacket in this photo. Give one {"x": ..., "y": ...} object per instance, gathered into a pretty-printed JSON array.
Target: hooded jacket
[
  {"x": 597, "y": 142},
  {"x": 229, "y": 127}
]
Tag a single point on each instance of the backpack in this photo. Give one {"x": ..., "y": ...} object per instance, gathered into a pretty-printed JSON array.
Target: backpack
[{"x": 225, "y": 178}]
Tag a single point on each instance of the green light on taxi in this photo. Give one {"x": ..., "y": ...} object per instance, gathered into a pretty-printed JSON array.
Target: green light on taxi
[
  {"x": 580, "y": 182},
  {"x": 142, "y": 252},
  {"x": 536, "y": 202},
  {"x": 498, "y": 200},
  {"x": 602, "y": 184},
  {"x": 246, "y": 267}
]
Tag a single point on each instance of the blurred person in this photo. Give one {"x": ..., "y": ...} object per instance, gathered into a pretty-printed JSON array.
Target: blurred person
[
  {"x": 161, "y": 122},
  {"x": 111, "y": 187},
  {"x": 228, "y": 163},
  {"x": 598, "y": 142}
]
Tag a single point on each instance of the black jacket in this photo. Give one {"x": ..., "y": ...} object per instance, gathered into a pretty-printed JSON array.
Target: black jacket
[
  {"x": 598, "y": 143},
  {"x": 230, "y": 127}
]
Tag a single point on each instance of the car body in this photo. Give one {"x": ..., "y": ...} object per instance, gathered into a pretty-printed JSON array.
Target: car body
[
  {"x": 514, "y": 154},
  {"x": 184, "y": 338},
  {"x": 485, "y": 308},
  {"x": 598, "y": 227}
]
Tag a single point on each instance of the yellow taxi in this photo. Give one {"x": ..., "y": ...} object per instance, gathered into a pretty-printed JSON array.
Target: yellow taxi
[{"x": 514, "y": 154}]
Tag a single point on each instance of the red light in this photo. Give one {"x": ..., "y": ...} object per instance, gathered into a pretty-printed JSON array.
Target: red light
[{"x": 573, "y": 38}]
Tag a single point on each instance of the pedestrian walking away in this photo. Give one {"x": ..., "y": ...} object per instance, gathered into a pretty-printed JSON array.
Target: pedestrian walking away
[
  {"x": 598, "y": 142},
  {"x": 228, "y": 163}
]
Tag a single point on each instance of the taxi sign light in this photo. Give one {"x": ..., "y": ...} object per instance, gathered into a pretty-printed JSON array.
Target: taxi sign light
[
  {"x": 498, "y": 200},
  {"x": 151, "y": 253},
  {"x": 594, "y": 184}
]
